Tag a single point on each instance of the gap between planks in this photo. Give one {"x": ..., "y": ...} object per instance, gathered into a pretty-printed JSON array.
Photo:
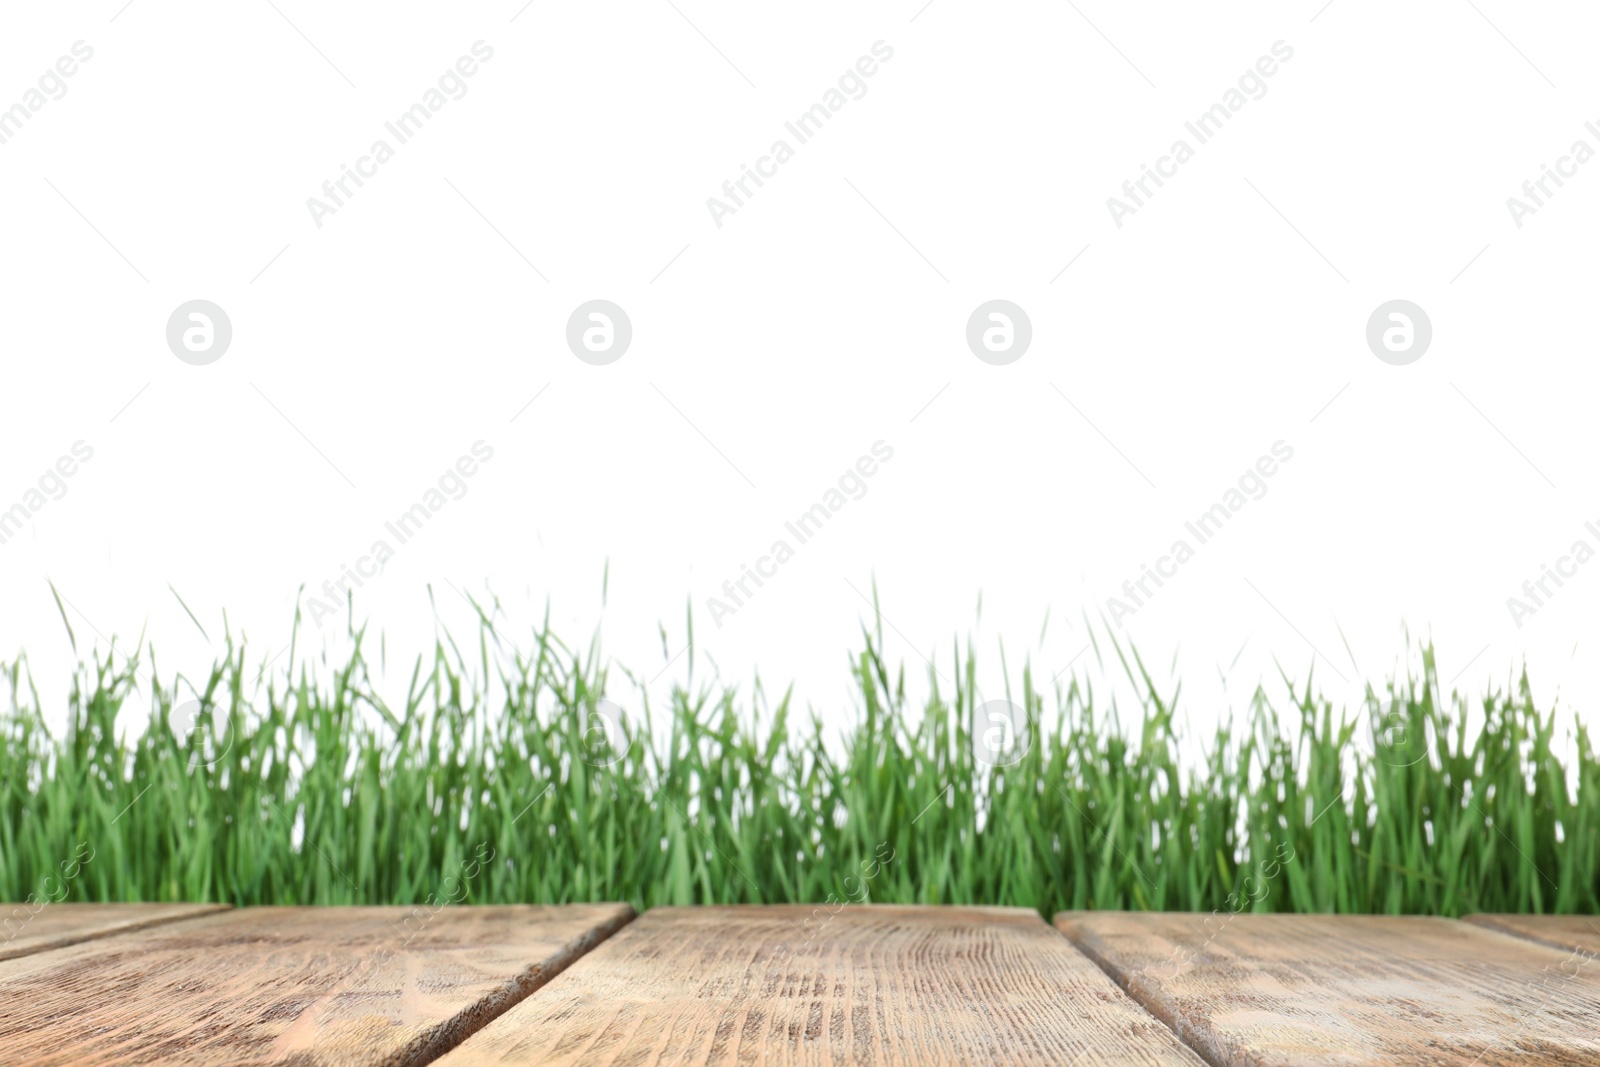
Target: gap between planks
[
  {"x": 24, "y": 931},
  {"x": 1353, "y": 991},
  {"x": 396, "y": 986},
  {"x": 1579, "y": 934}
]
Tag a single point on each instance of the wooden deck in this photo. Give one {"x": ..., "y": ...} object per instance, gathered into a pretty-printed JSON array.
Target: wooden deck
[{"x": 867, "y": 985}]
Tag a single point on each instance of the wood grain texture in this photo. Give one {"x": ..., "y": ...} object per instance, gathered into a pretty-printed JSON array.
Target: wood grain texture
[
  {"x": 870, "y": 985},
  {"x": 299, "y": 987},
  {"x": 1573, "y": 933},
  {"x": 1309, "y": 990},
  {"x": 28, "y": 928}
]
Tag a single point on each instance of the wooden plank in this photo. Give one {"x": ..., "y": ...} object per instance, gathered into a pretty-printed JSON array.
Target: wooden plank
[
  {"x": 869, "y": 985},
  {"x": 1348, "y": 990},
  {"x": 31, "y": 927},
  {"x": 1573, "y": 933},
  {"x": 302, "y": 986}
]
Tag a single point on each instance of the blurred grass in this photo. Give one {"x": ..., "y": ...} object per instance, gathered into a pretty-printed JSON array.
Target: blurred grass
[{"x": 495, "y": 782}]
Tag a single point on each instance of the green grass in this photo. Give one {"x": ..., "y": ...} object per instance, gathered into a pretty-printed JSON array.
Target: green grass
[{"x": 489, "y": 784}]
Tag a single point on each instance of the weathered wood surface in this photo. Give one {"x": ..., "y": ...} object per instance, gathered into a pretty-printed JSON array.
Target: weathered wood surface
[
  {"x": 870, "y": 985},
  {"x": 35, "y": 927},
  {"x": 292, "y": 986},
  {"x": 1572, "y": 933},
  {"x": 1310, "y": 990}
]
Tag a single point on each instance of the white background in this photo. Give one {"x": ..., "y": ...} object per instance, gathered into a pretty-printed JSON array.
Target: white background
[{"x": 827, "y": 314}]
